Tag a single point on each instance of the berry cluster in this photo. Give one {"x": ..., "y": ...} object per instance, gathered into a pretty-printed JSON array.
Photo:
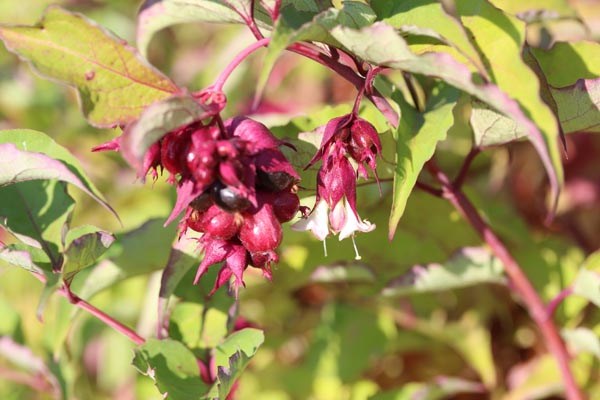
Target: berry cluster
[{"x": 236, "y": 188}]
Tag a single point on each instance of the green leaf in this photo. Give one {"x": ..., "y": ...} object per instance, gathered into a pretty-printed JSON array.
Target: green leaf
[
  {"x": 173, "y": 368},
  {"x": 583, "y": 62},
  {"x": 380, "y": 44},
  {"x": 181, "y": 259},
  {"x": 578, "y": 109},
  {"x": 587, "y": 285},
  {"x": 579, "y": 106},
  {"x": 247, "y": 340},
  {"x": 156, "y": 121},
  {"x": 20, "y": 255},
  {"x": 155, "y": 15},
  {"x": 443, "y": 388},
  {"x": 416, "y": 140},
  {"x": 198, "y": 326},
  {"x": 555, "y": 8},
  {"x": 114, "y": 84},
  {"x": 469, "y": 266},
  {"x": 352, "y": 272},
  {"x": 492, "y": 29},
  {"x": 295, "y": 25},
  {"x": 136, "y": 252},
  {"x": 37, "y": 213},
  {"x": 582, "y": 340},
  {"x": 25, "y": 359},
  {"x": 29, "y": 155},
  {"x": 428, "y": 15},
  {"x": 232, "y": 358},
  {"x": 83, "y": 246}
]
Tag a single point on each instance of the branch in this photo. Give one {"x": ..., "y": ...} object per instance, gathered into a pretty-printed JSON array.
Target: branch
[
  {"x": 101, "y": 315},
  {"x": 464, "y": 169},
  {"x": 224, "y": 75},
  {"x": 519, "y": 281},
  {"x": 555, "y": 302}
]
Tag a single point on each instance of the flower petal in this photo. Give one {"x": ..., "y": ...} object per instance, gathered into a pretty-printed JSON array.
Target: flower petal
[
  {"x": 317, "y": 222},
  {"x": 354, "y": 223}
]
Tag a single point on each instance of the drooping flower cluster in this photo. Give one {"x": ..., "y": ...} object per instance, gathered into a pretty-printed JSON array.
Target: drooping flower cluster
[
  {"x": 344, "y": 138},
  {"x": 236, "y": 188}
]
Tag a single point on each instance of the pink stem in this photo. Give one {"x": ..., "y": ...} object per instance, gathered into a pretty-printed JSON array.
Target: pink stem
[
  {"x": 464, "y": 169},
  {"x": 222, "y": 78},
  {"x": 518, "y": 279},
  {"x": 555, "y": 302},
  {"x": 102, "y": 316},
  {"x": 300, "y": 48}
]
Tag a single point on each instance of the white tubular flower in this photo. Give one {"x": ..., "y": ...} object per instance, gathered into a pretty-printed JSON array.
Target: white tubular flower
[{"x": 317, "y": 222}]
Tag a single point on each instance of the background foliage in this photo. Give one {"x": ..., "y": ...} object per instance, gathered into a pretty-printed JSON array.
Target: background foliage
[{"x": 427, "y": 315}]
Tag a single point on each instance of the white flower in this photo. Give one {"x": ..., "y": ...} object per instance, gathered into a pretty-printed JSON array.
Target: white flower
[
  {"x": 342, "y": 220},
  {"x": 352, "y": 222},
  {"x": 317, "y": 222}
]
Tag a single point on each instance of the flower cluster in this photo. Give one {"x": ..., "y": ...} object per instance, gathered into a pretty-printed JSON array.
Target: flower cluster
[
  {"x": 236, "y": 188},
  {"x": 344, "y": 138}
]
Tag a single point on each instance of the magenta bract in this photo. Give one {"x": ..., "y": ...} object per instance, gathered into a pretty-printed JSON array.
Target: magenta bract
[{"x": 237, "y": 188}]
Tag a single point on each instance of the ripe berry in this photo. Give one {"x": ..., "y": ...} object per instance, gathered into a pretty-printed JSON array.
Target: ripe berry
[
  {"x": 285, "y": 206},
  {"x": 261, "y": 231},
  {"x": 174, "y": 148},
  {"x": 228, "y": 199},
  {"x": 202, "y": 202}
]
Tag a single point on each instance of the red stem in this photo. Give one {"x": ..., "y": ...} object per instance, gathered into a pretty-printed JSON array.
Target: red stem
[
  {"x": 101, "y": 315},
  {"x": 519, "y": 281},
  {"x": 555, "y": 302},
  {"x": 37, "y": 382},
  {"x": 224, "y": 75},
  {"x": 464, "y": 169}
]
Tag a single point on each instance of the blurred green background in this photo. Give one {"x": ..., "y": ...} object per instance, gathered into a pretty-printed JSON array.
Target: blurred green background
[{"x": 324, "y": 340}]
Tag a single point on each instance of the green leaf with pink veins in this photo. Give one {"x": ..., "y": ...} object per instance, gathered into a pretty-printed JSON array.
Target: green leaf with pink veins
[{"x": 114, "y": 84}]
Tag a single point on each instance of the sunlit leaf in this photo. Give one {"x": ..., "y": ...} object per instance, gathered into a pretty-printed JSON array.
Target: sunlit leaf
[
  {"x": 181, "y": 259},
  {"x": 173, "y": 368},
  {"x": 295, "y": 26},
  {"x": 469, "y": 266},
  {"x": 30, "y": 155},
  {"x": 155, "y": 15},
  {"x": 431, "y": 16},
  {"x": 492, "y": 29},
  {"x": 114, "y": 84},
  {"x": 579, "y": 106},
  {"x": 20, "y": 255},
  {"x": 583, "y": 62},
  {"x": 442, "y": 388},
  {"x": 83, "y": 246},
  {"x": 416, "y": 141},
  {"x": 353, "y": 272},
  {"x": 380, "y": 44},
  {"x": 587, "y": 285},
  {"x": 232, "y": 357},
  {"x": 582, "y": 340},
  {"x": 36, "y": 212},
  {"x": 136, "y": 252},
  {"x": 25, "y": 359}
]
